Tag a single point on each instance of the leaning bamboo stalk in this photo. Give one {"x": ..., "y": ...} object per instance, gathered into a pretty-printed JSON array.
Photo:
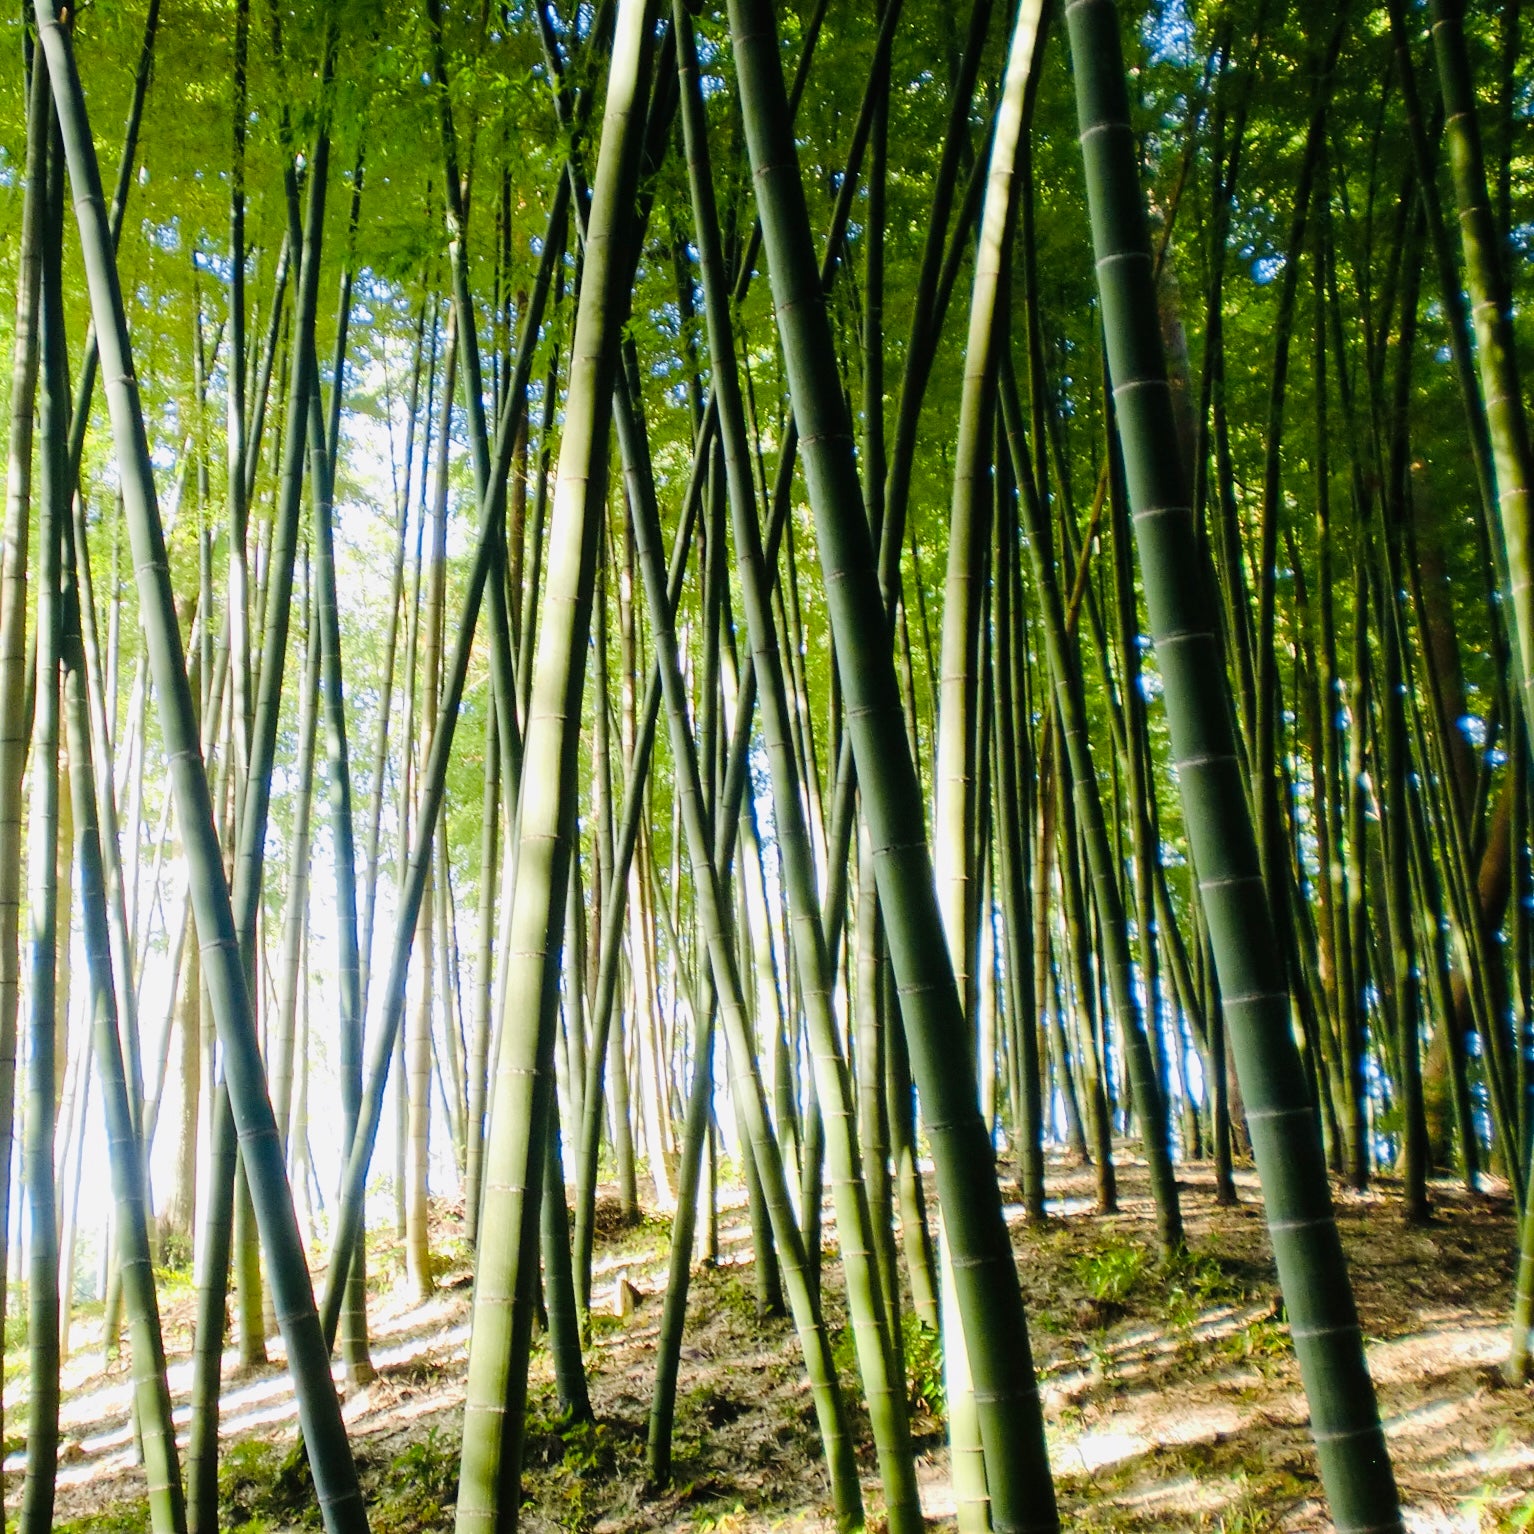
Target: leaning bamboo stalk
[
  {"x": 478, "y": 1064},
  {"x": 1355, "y": 1463},
  {"x": 71, "y": 1166},
  {"x": 15, "y": 726},
  {"x": 745, "y": 1080},
  {"x": 127, "y": 164},
  {"x": 502, "y": 668},
  {"x": 1512, "y": 451},
  {"x": 282, "y": 1033},
  {"x": 921, "y": 344},
  {"x": 348, "y": 1224},
  {"x": 127, "y": 1011},
  {"x": 610, "y": 945},
  {"x": 614, "y": 906},
  {"x": 379, "y": 757},
  {"x": 319, "y": 1410},
  {"x": 331, "y": 701},
  {"x": 631, "y": 813},
  {"x": 249, "y": 758},
  {"x": 418, "y": 1041},
  {"x": 865, "y": 1297},
  {"x": 447, "y": 943},
  {"x": 958, "y": 808},
  {"x": 1102, "y": 864},
  {"x": 955, "y": 816},
  {"x": 1011, "y": 1421},
  {"x": 559, "y": 1280},
  {"x": 151, "y": 1392},
  {"x": 1014, "y": 769},
  {"x": 237, "y": 615},
  {"x": 668, "y": 1345},
  {"x": 111, "y": 848},
  {"x": 43, "y": 1065}
]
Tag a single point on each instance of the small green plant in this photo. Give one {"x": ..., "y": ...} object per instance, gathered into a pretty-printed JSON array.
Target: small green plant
[
  {"x": 1180, "y": 1312},
  {"x": 1493, "y": 1518},
  {"x": 1048, "y": 1321},
  {"x": 731, "y": 1522},
  {"x": 922, "y": 1349},
  {"x": 584, "y": 1445},
  {"x": 452, "y": 1254},
  {"x": 844, "y": 1354},
  {"x": 601, "y": 1323},
  {"x": 923, "y": 1367},
  {"x": 1111, "y": 1273},
  {"x": 175, "y": 1254},
  {"x": 122, "y": 1518},
  {"x": 259, "y": 1487},
  {"x": 177, "y": 1280},
  {"x": 422, "y": 1485},
  {"x": 1245, "y": 1513},
  {"x": 1492, "y": 1508},
  {"x": 655, "y": 1222},
  {"x": 735, "y": 1294},
  {"x": 1249, "y": 1518},
  {"x": 1204, "y": 1277},
  {"x": 1263, "y": 1343},
  {"x": 587, "y": 1455},
  {"x": 245, "y": 1471}
]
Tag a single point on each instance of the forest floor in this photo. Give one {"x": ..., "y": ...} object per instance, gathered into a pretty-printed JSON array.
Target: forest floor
[{"x": 1172, "y": 1396}]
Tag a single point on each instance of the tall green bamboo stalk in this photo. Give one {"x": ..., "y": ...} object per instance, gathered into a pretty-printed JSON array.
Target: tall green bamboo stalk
[
  {"x": 135, "y": 1262},
  {"x": 1102, "y": 864},
  {"x": 418, "y": 862},
  {"x": 1507, "y": 422},
  {"x": 864, "y": 1290},
  {"x": 505, "y": 1269},
  {"x": 1355, "y": 1464},
  {"x": 44, "y": 1068},
  {"x": 1492, "y": 318},
  {"x": 319, "y": 1409},
  {"x": 1017, "y": 1472},
  {"x": 15, "y": 716},
  {"x": 746, "y": 1087}
]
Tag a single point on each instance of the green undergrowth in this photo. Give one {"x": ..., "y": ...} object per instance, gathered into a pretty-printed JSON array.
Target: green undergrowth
[
  {"x": 263, "y": 1487},
  {"x": 1112, "y": 1271},
  {"x": 570, "y": 1467},
  {"x": 121, "y": 1518},
  {"x": 1504, "y": 1504},
  {"x": 1246, "y": 1496},
  {"x": 922, "y": 1350},
  {"x": 420, "y": 1487}
]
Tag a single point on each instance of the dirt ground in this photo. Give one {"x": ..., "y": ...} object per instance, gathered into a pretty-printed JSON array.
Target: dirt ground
[{"x": 1172, "y": 1396}]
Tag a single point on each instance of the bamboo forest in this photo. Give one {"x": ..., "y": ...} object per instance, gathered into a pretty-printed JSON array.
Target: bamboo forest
[{"x": 767, "y": 766}]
